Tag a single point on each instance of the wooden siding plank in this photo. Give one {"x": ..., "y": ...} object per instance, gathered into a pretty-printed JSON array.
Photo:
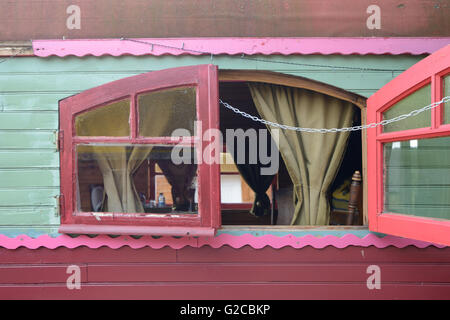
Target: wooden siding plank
[
  {"x": 82, "y": 81},
  {"x": 222, "y": 291},
  {"x": 206, "y": 254},
  {"x": 21, "y": 274},
  {"x": 64, "y": 255},
  {"x": 266, "y": 272},
  {"x": 23, "y": 100},
  {"x": 78, "y": 82},
  {"x": 27, "y": 140},
  {"x": 140, "y": 64},
  {"x": 29, "y": 159},
  {"x": 309, "y": 254},
  {"x": 28, "y": 197},
  {"x": 31, "y": 215},
  {"x": 29, "y": 178},
  {"x": 29, "y": 120}
]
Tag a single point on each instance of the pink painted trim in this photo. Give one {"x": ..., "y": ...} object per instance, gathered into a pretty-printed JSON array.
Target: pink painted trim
[
  {"x": 214, "y": 242},
  {"x": 239, "y": 46}
]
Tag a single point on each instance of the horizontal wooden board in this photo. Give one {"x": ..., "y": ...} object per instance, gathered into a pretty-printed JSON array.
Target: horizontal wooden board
[
  {"x": 29, "y": 120},
  {"x": 82, "y": 81},
  {"x": 30, "y": 215},
  {"x": 226, "y": 255},
  {"x": 62, "y": 255},
  {"x": 35, "y": 101},
  {"x": 226, "y": 291},
  {"x": 248, "y": 272},
  {"x": 27, "y": 139},
  {"x": 15, "y": 196},
  {"x": 371, "y": 255},
  {"x": 140, "y": 64},
  {"x": 39, "y": 273},
  {"x": 29, "y": 159},
  {"x": 10, "y": 178}
]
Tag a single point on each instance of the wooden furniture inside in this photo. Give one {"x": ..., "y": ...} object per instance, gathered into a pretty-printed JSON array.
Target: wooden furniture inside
[{"x": 353, "y": 214}]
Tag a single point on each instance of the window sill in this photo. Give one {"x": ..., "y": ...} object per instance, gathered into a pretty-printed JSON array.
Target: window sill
[
  {"x": 136, "y": 230},
  {"x": 297, "y": 231}
]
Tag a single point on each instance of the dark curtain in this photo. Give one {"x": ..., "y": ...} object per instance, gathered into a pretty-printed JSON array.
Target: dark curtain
[
  {"x": 180, "y": 178},
  {"x": 251, "y": 173}
]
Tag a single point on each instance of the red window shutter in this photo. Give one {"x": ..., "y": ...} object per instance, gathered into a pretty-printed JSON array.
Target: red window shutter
[{"x": 401, "y": 194}]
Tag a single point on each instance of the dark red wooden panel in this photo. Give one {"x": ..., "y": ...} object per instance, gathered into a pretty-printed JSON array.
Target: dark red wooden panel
[
  {"x": 267, "y": 272},
  {"x": 86, "y": 255},
  {"x": 233, "y": 291},
  {"x": 38, "y": 19},
  {"x": 225, "y": 273},
  {"x": 19, "y": 274},
  {"x": 310, "y": 254}
]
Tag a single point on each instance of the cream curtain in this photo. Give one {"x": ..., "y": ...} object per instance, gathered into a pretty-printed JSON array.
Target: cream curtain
[
  {"x": 118, "y": 165},
  {"x": 312, "y": 159}
]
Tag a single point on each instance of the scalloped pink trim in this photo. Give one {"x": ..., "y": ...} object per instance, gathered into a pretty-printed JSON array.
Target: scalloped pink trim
[
  {"x": 239, "y": 46},
  {"x": 256, "y": 242}
]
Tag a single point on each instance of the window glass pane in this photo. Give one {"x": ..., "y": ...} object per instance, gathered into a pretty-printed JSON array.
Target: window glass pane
[
  {"x": 233, "y": 187},
  {"x": 416, "y": 100},
  {"x": 447, "y": 104},
  {"x": 111, "y": 120},
  {"x": 417, "y": 177},
  {"x": 137, "y": 179},
  {"x": 161, "y": 112}
]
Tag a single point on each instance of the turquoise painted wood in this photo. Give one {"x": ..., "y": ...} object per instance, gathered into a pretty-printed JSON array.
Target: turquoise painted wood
[
  {"x": 28, "y": 139},
  {"x": 32, "y": 198},
  {"x": 28, "y": 120},
  {"x": 30, "y": 88},
  {"x": 28, "y": 159}
]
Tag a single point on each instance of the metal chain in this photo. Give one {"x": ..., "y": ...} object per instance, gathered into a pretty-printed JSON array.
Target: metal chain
[{"x": 324, "y": 130}]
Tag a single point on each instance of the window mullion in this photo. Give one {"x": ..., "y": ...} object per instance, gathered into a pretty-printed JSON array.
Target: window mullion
[{"x": 133, "y": 117}]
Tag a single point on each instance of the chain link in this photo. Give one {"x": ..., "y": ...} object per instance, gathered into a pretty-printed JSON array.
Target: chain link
[{"x": 324, "y": 130}]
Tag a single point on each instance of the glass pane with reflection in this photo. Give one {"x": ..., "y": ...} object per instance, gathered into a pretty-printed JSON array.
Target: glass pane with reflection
[
  {"x": 415, "y": 100},
  {"x": 162, "y": 112},
  {"x": 111, "y": 120},
  {"x": 143, "y": 179},
  {"x": 417, "y": 177}
]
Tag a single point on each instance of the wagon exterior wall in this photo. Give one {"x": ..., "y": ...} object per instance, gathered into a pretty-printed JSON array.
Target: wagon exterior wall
[
  {"x": 225, "y": 273},
  {"x": 30, "y": 88}
]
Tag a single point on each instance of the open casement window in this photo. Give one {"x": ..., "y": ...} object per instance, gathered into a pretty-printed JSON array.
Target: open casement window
[
  {"x": 117, "y": 141},
  {"x": 111, "y": 133},
  {"x": 409, "y": 161}
]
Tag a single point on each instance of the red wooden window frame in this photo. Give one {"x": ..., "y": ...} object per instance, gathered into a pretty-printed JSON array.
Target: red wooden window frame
[
  {"x": 205, "y": 79},
  {"x": 430, "y": 70}
]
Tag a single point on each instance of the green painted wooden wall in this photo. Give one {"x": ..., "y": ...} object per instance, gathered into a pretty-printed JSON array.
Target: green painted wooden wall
[{"x": 30, "y": 88}]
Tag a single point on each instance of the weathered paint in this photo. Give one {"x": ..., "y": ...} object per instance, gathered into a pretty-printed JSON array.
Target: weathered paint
[
  {"x": 225, "y": 273},
  {"x": 44, "y": 19},
  {"x": 236, "y": 46},
  {"x": 30, "y": 88}
]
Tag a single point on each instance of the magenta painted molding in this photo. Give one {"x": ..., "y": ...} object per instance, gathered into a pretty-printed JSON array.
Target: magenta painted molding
[
  {"x": 238, "y": 46},
  {"x": 256, "y": 242}
]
